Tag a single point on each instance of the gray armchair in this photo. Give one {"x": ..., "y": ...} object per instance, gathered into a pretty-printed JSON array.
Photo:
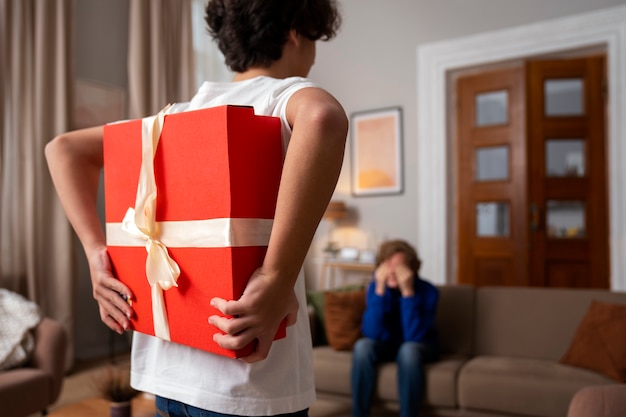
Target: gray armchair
[{"x": 36, "y": 385}]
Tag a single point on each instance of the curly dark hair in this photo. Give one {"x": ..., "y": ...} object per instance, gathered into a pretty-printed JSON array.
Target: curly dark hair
[
  {"x": 252, "y": 33},
  {"x": 391, "y": 247}
]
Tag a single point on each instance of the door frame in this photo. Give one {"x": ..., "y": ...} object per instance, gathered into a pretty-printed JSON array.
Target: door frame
[{"x": 607, "y": 28}]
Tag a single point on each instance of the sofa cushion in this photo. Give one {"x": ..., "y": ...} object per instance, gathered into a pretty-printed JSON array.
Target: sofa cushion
[
  {"x": 600, "y": 341},
  {"x": 332, "y": 376},
  {"x": 343, "y": 313},
  {"x": 507, "y": 317},
  {"x": 332, "y": 370},
  {"x": 507, "y": 385},
  {"x": 315, "y": 299},
  {"x": 441, "y": 386},
  {"x": 455, "y": 319},
  {"x": 441, "y": 381}
]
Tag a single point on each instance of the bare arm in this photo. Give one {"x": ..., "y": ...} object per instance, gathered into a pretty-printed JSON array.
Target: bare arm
[
  {"x": 310, "y": 172},
  {"x": 75, "y": 161}
]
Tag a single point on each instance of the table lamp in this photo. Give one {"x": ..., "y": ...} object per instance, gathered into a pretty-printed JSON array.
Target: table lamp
[{"x": 336, "y": 210}]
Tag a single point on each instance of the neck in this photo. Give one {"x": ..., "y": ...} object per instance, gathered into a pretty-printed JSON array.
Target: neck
[
  {"x": 279, "y": 69},
  {"x": 253, "y": 73}
]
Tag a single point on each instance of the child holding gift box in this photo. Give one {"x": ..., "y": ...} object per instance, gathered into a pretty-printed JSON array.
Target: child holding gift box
[{"x": 270, "y": 44}]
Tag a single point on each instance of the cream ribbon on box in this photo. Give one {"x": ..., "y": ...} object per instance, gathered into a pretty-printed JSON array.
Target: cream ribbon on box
[
  {"x": 161, "y": 270},
  {"x": 139, "y": 228}
]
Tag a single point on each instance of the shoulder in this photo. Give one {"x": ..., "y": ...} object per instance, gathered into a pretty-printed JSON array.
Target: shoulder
[
  {"x": 313, "y": 103},
  {"x": 292, "y": 84}
]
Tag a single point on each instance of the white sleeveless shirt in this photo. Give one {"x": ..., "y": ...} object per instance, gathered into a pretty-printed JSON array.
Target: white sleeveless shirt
[{"x": 283, "y": 382}]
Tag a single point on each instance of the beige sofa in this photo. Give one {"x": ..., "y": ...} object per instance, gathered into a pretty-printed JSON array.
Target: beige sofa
[{"x": 501, "y": 348}]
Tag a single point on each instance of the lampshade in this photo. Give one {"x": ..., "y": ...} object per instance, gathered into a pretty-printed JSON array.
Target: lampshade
[{"x": 335, "y": 210}]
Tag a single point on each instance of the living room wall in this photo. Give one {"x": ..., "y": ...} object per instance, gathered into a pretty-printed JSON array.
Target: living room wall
[{"x": 372, "y": 64}]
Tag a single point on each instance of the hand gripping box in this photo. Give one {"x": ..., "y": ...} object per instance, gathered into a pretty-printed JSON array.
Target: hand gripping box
[{"x": 189, "y": 200}]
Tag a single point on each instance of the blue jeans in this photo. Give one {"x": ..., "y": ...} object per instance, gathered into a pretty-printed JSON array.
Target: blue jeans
[
  {"x": 171, "y": 408},
  {"x": 367, "y": 354}
]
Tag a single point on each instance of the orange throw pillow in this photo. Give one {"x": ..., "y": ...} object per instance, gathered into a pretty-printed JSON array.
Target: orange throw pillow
[
  {"x": 599, "y": 343},
  {"x": 343, "y": 313}
]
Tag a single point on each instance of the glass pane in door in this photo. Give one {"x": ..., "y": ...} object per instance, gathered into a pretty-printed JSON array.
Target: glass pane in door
[
  {"x": 492, "y": 108},
  {"x": 564, "y": 97},
  {"x": 565, "y": 219},
  {"x": 565, "y": 158},
  {"x": 492, "y": 163},
  {"x": 492, "y": 219}
]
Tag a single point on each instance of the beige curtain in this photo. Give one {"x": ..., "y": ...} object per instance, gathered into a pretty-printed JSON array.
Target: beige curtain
[
  {"x": 160, "y": 55},
  {"x": 36, "y": 255}
]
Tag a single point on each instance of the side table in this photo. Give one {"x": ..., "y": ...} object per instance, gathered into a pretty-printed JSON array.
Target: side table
[{"x": 330, "y": 266}]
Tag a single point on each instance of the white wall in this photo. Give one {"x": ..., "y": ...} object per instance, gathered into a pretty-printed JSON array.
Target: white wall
[{"x": 372, "y": 64}]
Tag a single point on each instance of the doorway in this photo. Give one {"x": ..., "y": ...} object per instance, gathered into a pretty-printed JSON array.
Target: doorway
[
  {"x": 531, "y": 180},
  {"x": 436, "y": 236}
]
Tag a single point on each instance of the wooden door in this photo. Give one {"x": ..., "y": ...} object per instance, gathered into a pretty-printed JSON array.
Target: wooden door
[
  {"x": 492, "y": 224},
  {"x": 531, "y": 175},
  {"x": 567, "y": 173}
]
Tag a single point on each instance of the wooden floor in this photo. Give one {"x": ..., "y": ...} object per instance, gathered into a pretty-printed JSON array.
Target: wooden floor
[
  {"x": 81, "y": 383},
  {"x": 81, "y": 398},
  {"x": 142, "y": 406}
]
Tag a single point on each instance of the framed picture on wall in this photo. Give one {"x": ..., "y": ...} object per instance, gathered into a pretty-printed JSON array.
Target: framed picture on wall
[{"x": 376, "y": 152}]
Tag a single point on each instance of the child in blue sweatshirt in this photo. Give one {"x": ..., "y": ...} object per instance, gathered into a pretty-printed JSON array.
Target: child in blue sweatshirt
[{"x": 398, "y": 325}]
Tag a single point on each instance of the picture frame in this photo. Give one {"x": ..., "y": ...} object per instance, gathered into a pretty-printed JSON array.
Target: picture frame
[{"x": 376, "y": 152}]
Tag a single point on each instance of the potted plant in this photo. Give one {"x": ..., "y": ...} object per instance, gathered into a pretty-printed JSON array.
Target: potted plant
[{"x": 114, "y": 385}]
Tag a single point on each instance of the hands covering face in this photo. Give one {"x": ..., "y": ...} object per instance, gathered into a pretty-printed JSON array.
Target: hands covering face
[{"x": 394, "y": 273}]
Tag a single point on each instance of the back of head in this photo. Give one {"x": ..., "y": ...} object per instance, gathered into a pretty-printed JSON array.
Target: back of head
[{"x": 252, "y": 33}]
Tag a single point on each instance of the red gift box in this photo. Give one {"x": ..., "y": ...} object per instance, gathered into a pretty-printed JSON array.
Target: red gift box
[{"x": 216, "y": 173}]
